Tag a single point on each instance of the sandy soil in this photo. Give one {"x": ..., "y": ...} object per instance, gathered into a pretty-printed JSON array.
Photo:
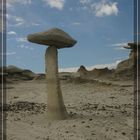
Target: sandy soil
[{"x": 97, "y": 111}]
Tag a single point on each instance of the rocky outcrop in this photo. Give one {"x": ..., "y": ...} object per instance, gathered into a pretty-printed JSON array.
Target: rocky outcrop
[
  {"x": 55, "y": 39},
  {"x": 125, "y": 69},
  {"x": 82, "y": 71},
  {"x": 104, "y": 72},
  {"x": 95, "y": 73},
  {"x": 13, "y": 73},
  {"x": 40, "y": 76}
]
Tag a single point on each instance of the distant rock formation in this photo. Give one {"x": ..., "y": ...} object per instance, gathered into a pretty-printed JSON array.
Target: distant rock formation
[
  {"x": 101, "y": 72},
  {"x": 82, "y": 71},
  {"x": 95, "y": 73},
  {"x": 125, "y": 69},
  {"x": 40, "y": 76},
  {"x": 13, "y": 73}
]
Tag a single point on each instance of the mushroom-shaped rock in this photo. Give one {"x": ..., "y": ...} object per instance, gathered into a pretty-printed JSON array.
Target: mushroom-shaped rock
[{"x": 55, "y": 39}]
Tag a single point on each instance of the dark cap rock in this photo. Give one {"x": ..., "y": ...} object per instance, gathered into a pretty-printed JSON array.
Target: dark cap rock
[
  {"x": 53, "y": 37},
  {"x": 133, "y": 45}
]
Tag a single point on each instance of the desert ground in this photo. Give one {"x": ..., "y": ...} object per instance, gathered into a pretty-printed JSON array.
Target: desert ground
[{"x": 98, "y": 110}]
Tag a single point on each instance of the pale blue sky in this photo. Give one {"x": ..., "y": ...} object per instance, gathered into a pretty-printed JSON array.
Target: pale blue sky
[{"x": 100, "y": 27}]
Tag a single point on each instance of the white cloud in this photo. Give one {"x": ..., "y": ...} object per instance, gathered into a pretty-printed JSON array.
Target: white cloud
[
  {"x": 10, "y": 3},
  {"x": 12, "y": 33},
  {"x": 100, "y": 8},
  {"x": 105, "y": 8},
  {"x": 8, "y": 53},
  {"x": 74, "y": 69},
  {"x": 21, "y": 39},
  {"x": 35, "y": 24},
  {"x": 22, "y": 46},
  {"x": 109, "y": 66},
  {"x": 85, "y": 1},
  {"x": 119, "y": 46},
  {"x": 15, "y": 20},
  {"x": 58, "y": 4},
  {"x": 76, "y": 23}
]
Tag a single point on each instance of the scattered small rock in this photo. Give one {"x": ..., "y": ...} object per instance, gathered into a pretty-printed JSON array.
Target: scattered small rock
[
  {"x": 67, "y": 131},
  {"x": 17, "y": 119},
  {"x": 15, "y": 97},
  {"x": 106, "y": 129},
  {"x": 111, "y": 115},
  {"x": 123, "y": 133},
  {"x": 124, "y": 111},
  {"x": 46, "y": 138},
  {"x": 29, "y": 107}
]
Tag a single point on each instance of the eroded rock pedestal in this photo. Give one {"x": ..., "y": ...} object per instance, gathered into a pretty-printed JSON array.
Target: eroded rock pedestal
[
  {"x": 56, "y": 39},
  {"x": 55, "y": 104}
]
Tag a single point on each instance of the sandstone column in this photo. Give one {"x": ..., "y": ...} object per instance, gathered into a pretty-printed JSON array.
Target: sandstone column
[{"x": 56, "y": 108}]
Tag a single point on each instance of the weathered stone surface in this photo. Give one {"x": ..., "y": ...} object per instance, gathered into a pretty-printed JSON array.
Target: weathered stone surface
[
  {"x": 13, "y": 73},
  {"x": 82, "y": 71},
  {"x": 133, "y": 45},
  {"x": 125, "y": 69},
  {"x": 55, "y": 104},
  {"x": 101, "y": 72},
  {"x": 40, "y": 76},
  {"x": 53, "y": 37},
  {"x": 95, "y": 73}
]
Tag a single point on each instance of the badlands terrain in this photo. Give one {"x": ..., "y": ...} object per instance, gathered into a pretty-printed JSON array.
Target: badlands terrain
[
  {"x": 99, "y": 104},
  {"x": 97, "y": 111}
]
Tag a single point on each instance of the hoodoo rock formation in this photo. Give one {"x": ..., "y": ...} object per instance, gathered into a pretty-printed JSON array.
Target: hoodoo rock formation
[
  {"x": 125, "y": 69},
  {"x": 82, "y": 71},
  {"x": 56, "y": 39}
]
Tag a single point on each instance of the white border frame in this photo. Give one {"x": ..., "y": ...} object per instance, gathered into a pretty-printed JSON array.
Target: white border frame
[
  {"x": 2, "y": 44},
  {"x": 137, "y": 86}
]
